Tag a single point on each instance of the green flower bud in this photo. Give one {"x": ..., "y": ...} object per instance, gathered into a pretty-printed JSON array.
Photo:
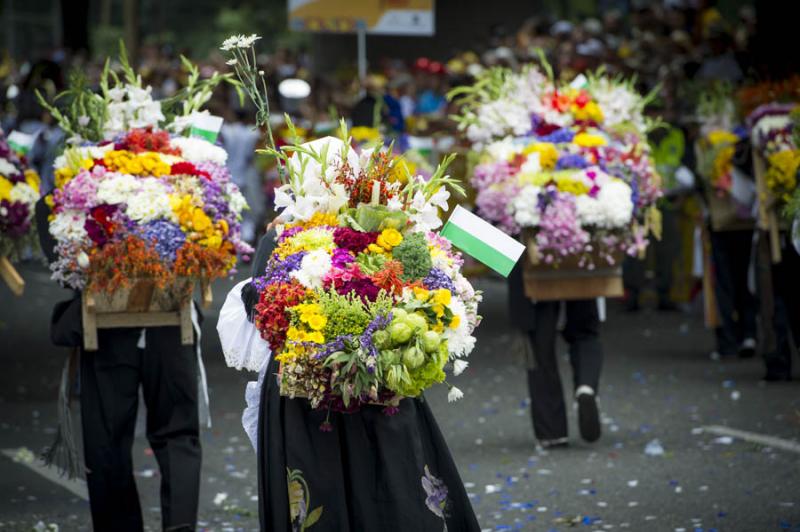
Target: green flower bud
[
  {"x": 431, "y": 341},
  {"x": 401, "y": 333},
  {"x": 413, "y": 357}
]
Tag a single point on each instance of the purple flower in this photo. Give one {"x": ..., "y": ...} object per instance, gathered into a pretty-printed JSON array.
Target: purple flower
[
  {"x": 559, "y": 136},
  {"x": 341, "y": 257},
  {"x": 278, "y": 271},
  {"x": 379, "y": 322},
  {"x": 571, "y": 160},
  {"x": 16, "y": 221},
  {"x": 436, "y": 492},
  {"x": 166, "y": 238},
  {"x": 437, "y": 279}
]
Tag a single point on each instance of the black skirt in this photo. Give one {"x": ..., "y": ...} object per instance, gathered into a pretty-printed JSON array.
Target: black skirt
[{"x": 372, "y": 472}]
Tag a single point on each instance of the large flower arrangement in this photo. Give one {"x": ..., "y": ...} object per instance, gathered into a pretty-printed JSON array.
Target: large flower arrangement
[
  {"x": 720, "y": 131},
  {"x": 19, "y": 192},
  {"x": 571, "y": 163},
  {"x": 772, "y": 134},
  {"x": 134, "y": 197},
  {"x": 362, "y": 302}
]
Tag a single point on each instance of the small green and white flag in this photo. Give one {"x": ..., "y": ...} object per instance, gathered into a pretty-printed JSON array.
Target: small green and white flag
[
  {"x": 478, "y": 238},
  {"x": 20, "y": 142},
  {"x": 206, "y": 127}
]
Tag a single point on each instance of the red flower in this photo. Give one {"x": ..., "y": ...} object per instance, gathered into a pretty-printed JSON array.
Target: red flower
[{"x": 187, "y": 168}]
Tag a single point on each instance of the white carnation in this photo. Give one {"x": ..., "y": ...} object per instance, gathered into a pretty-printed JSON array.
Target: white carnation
[
  {"x": 150, "y": 202},
  {"x": 314, "y": 266},
  {"x": 68, "y": 225},
  {"x": 117, "y": 189}
]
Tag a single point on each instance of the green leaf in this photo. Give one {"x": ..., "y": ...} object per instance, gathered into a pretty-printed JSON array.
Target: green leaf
[{"x": 313, "y": 517}]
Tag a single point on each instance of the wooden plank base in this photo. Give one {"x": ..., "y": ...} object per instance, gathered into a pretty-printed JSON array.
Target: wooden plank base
[
  {"x": 12, "y": 278},
  {"x": 552, "y": 288}
]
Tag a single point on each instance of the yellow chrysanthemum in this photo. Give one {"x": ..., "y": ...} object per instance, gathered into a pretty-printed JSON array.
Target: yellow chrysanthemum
[
  {"x": 5, "y": 189},
  {"x": 148, "y": 163},
  {"x": 421, "y": 293},
  {"x": 32, "y": 178},
  {"x": 548, "y": 154},
  {"x": 589, "y": 140},
  {"x": 442, "y": 296},
  {"x": 317, "y": 322},
  {"x": 317, "y": 219},
  {"x": 589, "y": 112},
  {"x": 375, "y": 248},
  {"x": 389, "y": 238},
  {"x": 455, "y": 322},
  {"x": 721, "y": 136}
]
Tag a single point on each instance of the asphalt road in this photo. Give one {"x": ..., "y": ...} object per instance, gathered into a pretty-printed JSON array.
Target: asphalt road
[{"x": 658, "y": 466}]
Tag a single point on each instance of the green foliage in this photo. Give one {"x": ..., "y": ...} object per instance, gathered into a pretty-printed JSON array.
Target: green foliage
[
  {"x": 413, "y": 254},
  {"x": 347, "y": 314}
]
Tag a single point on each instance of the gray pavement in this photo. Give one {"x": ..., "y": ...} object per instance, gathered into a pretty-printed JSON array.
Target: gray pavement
[{"x": 655, "y": 469}]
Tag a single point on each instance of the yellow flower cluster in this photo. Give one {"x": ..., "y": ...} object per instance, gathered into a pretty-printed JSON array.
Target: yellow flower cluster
[
  {"x": 317, "y": 219},
  {"x": 309, "y": 240},
  {"x": 364, "y": 134},
  {"x": 589, "y": 112},
  {"x": 589, "y": 140},
  {"x": 721, "y": 136},
  {"x": 65, "y": 174},
  {"x": 548, "y": 154},
  {"x": 197, "y": 224},
  {"x": 387, "y": 240},
  {"x": 31, "y": 178},
  {"x": 782, "y": 172},
  {"x": 310, "y": 316},
  {"x": 438, "y": 299},
  {"x": 141, "y": 164},
  {"x": 5, "y": 189}
]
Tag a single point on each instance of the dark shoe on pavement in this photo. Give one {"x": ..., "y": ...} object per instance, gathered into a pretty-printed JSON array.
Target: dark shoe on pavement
[
  {"x": 588, "y": 414},
  {"x": 748, "y": 348},
  {"x": 558, "y": 443}
]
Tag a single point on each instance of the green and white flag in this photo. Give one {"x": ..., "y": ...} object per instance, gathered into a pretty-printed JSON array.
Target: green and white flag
[
  {"x": 20, "y": 142},
  {"x": 206, "y": 127},
  {"x": 478, "y": 238}
]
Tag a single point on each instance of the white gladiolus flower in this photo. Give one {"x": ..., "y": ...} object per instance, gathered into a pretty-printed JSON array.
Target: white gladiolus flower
[{"x": 454, "y": 394}]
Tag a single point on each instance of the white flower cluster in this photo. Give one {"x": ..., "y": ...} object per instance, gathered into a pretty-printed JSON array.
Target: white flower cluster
[
  {"x": 239, "y": 41},
  {"x": 68, "y": 225},
  {"x": 150, "y": 202},
  {"x": 130, "y": 107},
  {"x": 612, "y": 208},
  {"x": 526, "y": 206},
  {"x": 80, "y": 153},
  {"x": 24, "y": 193},
  {"x": 197, "y": 150},
  {"x": 620, "y": 104},
  {"x": 313, "y": 268}
]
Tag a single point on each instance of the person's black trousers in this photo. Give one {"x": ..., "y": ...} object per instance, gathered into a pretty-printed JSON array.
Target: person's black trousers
[
  {"x": 786, "y": 287},
  {"x": 110, "y": 381},
  {"x": 730, "y": 253},
  {"x": 581, "y": 332}
]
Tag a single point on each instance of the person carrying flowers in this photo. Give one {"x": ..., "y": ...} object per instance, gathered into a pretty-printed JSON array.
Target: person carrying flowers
[
  {"x": 355, "y": 308},
  {"x": 567, "y": 168},
  {"x": 137, "y": 202}
]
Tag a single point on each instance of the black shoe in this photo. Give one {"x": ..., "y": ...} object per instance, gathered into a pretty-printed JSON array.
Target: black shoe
[
  {"x": 588, "y": 417},
  {"x": 777, "y": 376},
  {"x": 667, "y": 306}
]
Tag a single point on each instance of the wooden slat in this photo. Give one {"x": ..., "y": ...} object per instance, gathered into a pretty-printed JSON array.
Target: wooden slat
[
  {"x": 89, "y": 322},
  {"x": 113, "y": 320},
  {"x": 185, "y": 320},
  {"x": 12, "y": 278},
  {"x": 206, "y": 296}
]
